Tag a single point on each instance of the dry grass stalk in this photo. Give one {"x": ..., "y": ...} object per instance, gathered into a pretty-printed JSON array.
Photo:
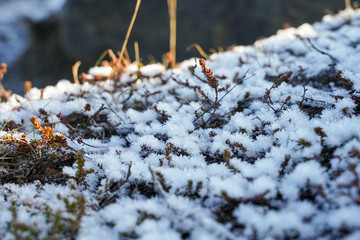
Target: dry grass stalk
[
  {"x": 100, "y": 59},
  {"x": 198, "y": 47},
  {"x": 75, "y": 71},
  {"x": 121, "y": 53},
  {"x": 127, "y": 58},
  {"x": 348, "y": 4},
  {"x": 172, "y": 5},
  {"x": 136, "y": 49}
]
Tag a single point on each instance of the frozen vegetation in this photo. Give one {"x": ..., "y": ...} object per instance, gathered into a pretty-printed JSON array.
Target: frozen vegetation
[{"x": 258, "y": 142}]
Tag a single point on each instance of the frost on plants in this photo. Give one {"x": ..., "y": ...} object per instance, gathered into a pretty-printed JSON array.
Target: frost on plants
[
  {"x": 258, "y": 142},
  {"x": 25, "y": 159}
]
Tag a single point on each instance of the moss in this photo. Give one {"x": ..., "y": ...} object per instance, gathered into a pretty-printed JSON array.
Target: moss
[
  {"x": 21, "y": 230},
  {"x": 193, "y": 192},
  {"x": 128, "y": 235},
  {"x": 81, "y": 173},
  {"x": 60, "y": 224},
  {"x": 162, "y": 182},
  {"x": 304, "y": 143}
]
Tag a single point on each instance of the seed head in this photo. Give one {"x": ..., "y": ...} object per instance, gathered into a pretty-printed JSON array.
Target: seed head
[{"x": 211, "y": 79}]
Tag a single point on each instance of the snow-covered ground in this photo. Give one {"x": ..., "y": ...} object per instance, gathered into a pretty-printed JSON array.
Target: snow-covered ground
[{"x": 271, "y": 153}]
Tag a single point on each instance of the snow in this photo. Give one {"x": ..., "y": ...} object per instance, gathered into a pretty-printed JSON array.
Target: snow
[
  {"x": 14, "y": 32},
  {"x": 36, "y": 10},
  {"x": 166, "y": 167},
  {"x": 152, "y": 70},
  {"x": 100, "y": 71}
]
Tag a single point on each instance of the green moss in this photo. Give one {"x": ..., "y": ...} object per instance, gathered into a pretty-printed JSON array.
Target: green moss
[
  {"x": 304, "y": 143},
  {"x": 60, "y": 224}
]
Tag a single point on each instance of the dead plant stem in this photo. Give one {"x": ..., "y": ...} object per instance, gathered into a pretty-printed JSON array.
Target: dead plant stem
[
  {"x": 348, "y": 4},
  {"x": 129, "y": 30},
  {"x": 136, "y": 49},
  {"x": 172, "y": 5}
]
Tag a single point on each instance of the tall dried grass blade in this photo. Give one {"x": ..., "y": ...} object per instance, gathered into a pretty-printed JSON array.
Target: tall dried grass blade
[
  {"x": 172, "y": 5},
  {"x": 127, "y": 56},
  {"x": 348, "y": 4},
  {"x": 102, "y": 56},
  {"x": 129, "y": 31},
  {"x": 75, "y": 72},
  {"x": 198, "y": 48},
  {"x": 5, "y": 123},
  {"x": 136, "y": 49}
]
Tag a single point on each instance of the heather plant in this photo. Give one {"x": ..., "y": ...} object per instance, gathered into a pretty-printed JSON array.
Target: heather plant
[{"x": 25, "y": 159}]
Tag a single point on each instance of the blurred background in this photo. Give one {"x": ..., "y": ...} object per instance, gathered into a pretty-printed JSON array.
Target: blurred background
[{"x": 41, "y": 39}]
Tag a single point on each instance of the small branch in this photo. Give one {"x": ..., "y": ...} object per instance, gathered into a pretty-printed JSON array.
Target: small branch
[
  {"x": 320, "y": 51},
  {"x": 97, "y": 112},
  {"x": 300, "y": 103},
  {"x": 115, "y": 195},
  {"x": 317, "y": 49}
]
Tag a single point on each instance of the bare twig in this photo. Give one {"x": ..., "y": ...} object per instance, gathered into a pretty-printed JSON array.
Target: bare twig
[
  {"x": 97, "y": 112},
  {"x": 300, "y": 103}
]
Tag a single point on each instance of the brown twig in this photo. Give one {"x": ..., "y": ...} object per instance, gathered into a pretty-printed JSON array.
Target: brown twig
[
  {"x": 267, "y": 97},
  {"x": 300, "y": 103}
]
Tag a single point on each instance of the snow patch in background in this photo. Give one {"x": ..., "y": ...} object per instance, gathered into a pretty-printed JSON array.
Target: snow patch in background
[
  {"x": 14, "y": 32},
  {"x": 35, "y": 10}
]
